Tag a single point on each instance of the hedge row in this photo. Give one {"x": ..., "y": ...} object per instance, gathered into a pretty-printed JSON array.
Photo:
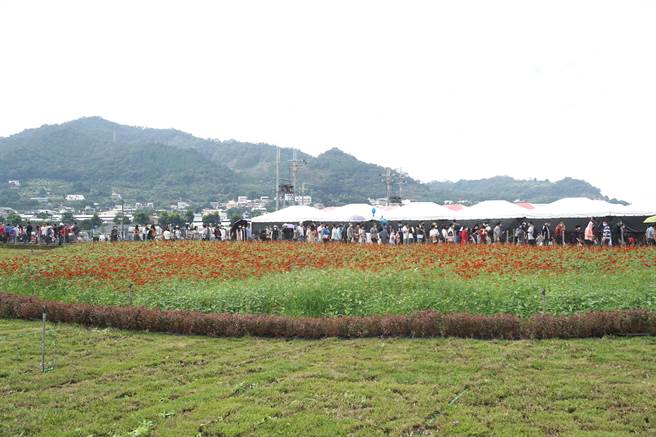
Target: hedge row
[{"x": 423, "y": 324}]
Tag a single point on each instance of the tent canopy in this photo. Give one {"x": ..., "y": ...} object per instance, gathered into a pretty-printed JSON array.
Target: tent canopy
[
  {"x": 639, "y": 209},
  {"x": 573, "y": 207},
  {"x": 291, "y": 214},
  {"x": 421, "y": 211},
  {"x": 576, "y": 207},
  {"x": 354, "y": 212},
  {"x": 493, "y": 209}
]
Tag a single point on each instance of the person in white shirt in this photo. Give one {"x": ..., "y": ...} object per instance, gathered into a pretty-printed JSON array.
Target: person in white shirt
[
  {"x": 405, "y": 231},
  {"x": 650, "y": 235},
  {"x": 433, "y": 234},
  {"x": 530, "y": 234}
]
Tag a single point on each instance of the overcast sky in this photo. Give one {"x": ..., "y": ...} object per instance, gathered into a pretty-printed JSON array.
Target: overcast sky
[{"x": 446, "y": 90}]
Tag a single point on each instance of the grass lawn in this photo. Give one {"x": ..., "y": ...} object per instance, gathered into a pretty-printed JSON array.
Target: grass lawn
[{"x": 110, "y": 382}]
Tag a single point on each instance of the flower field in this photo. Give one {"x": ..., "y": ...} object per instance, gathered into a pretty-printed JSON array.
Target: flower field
[{"x": 300, "y": 279}]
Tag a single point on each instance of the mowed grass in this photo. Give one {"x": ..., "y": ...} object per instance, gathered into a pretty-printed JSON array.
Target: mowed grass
[{"x": 110, "y": 382}]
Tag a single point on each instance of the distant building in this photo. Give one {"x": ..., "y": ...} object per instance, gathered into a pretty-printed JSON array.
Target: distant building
[
  {"x": 242, "y": 200},
  {"x": 303, "y": 200},
  {"x": 75, "y": 197},
  {"x": 14, "y": 184},
  {"x": 5, "y": 211},
  {"x": 231, "y": 204}
]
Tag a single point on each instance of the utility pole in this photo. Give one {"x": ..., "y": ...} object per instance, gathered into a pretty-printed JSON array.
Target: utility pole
[
  {"x": 294, "y": 166},
  {"x": 388, "y": 178},
  {"x": 401, "y": 181},
  {"x": 277, "y": 177},
  {"x": 122, "y": 218}
]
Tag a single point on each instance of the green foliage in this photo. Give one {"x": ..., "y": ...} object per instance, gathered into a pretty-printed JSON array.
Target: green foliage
[
  {"x": 348, "y": 293},
  {"x": 171, "y": 219},
  {"x": 13, "y": 218},
  {"x": 96, "y": 221},
  {"x": 142, "y": 216},
  {"x": 507, "y": 188},
  {"x": 235, "y": 215},
  {"x": 214, "y": 218},
  {"x": 189, "y": 216},
  {"x": 67, "y": 218},
  {"x": 121, "y": 219}
]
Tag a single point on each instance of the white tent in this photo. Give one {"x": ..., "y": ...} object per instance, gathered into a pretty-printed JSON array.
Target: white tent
[
  {"x": 354, "y": 212},
  {"x": 639, "y": 209},
  {"x": 292, "y": 214},
  {"x": 493, "y": 209},
  {"x": 576, "y": 207},
  {"x": 421, "y": 211}
]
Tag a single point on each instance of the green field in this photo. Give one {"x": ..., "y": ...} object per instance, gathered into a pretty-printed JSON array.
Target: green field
[
  {"x": 110, "y": 382},
  {"x": 337, "y": 280}
]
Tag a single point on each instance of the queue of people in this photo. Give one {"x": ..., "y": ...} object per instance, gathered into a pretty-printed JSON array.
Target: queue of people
[
  {"x": 206, "y": 232},
  {"x": 595, "y": 233}
]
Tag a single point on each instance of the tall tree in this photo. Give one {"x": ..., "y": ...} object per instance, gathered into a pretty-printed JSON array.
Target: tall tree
[
  {"x": 141, "y": 216},
  {"x": 67, "y": 218}
]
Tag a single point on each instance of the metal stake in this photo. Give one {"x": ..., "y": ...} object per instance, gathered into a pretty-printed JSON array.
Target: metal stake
[{"x": 43, "y": 341}]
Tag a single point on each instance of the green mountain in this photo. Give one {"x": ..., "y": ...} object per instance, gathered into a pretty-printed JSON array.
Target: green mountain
[
  {"x": 507, "y": 188},
  {"x": 96, "y": 157}
]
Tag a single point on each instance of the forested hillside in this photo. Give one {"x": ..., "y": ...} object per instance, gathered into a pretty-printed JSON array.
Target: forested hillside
[{"x": 96, "y": 157}]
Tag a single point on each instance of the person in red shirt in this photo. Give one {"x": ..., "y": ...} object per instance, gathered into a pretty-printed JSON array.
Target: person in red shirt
[
  {"x": 464, "y": 235},
  {"x": 559, "y": 233},
  {"x": 2, "y": 233}
]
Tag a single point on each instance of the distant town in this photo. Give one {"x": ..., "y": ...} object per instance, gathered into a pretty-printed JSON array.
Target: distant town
[{"x": 75, "y": 207}]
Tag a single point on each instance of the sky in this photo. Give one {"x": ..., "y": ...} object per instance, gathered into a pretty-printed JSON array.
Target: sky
[{"x": 445, "y": 90}]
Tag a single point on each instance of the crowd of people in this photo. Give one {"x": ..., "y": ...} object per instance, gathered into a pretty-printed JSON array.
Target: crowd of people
[
  {"x": 46, "y": 233},
  {"x": 595, "y": 233},
  {"x": 206, "y": 232}
]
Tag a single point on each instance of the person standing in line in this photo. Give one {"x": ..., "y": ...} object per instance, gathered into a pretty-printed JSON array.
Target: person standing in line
[
  {"x": 530, "y": 234},
  {"x": 463, "y": 235},
  {"x": 433, "y": 234},
  {"x": 421, "y": 234},
  {"x": 578, "y": 236},
  {"x": 496, "y": 233},
  {"x": 559, "y": 233},
  {"x": 546, "y": 234},
  {"x": 606, "y": 235},
  {"x": 650, "y": 235},
  {"x": 373, "y": 231},
  {"x": 618, "y": 233},
  {"x": 384, "y": 236},
  {"x": 589, "y": 234},
  {"x": 28, "y": 230}
]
